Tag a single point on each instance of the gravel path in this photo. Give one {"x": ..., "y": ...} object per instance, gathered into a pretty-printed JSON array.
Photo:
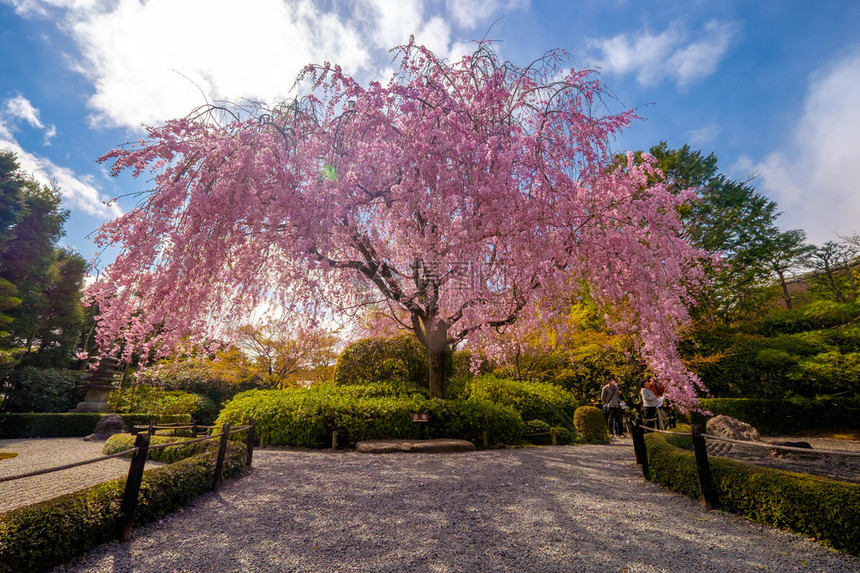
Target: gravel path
[
  {"x": 37, "y": 454},
  {"x": 566, "y": 508}
]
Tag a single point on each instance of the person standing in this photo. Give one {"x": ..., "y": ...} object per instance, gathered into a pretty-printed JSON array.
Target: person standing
[
  {"x": 610, "y": 395},
  {"x": 650, "y": 402}
]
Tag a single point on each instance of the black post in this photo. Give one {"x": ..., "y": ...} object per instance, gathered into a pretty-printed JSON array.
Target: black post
[
  {"x": 193, "y": 429},
  {"x": 222, "y": 451},
  {"x": 639, "y": 441},
  {"x": 251, "y": 438},
  {"x": 636, "y": 436},
  {"x": 132, "y": 486},
  {"x": 151, "y": 430},
  {"x": 706, "y": 482}
]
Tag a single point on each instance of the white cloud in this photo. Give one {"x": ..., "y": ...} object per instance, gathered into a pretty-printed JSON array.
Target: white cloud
[
  {"x": 19, "y": 108},
  {"x": 670, "y": 55},
  {"x": 473, "y": 14},
  {"x": 704, "y": 135},
  {"x": 152, "y": 61},
  {"x": 816, "y": 177},
  {"x": 77, "y": 192},
  {"x": 155, "y": 60}
]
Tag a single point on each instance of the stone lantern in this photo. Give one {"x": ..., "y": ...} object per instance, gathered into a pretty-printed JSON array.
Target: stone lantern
[{"x": 99, "y": 384}]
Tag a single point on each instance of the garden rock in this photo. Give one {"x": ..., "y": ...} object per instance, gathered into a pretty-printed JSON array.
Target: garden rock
[
  {"x": 776, "y": 453},
  {"x": 107, "y": 427},
  {"x": 734, "y": 429}
]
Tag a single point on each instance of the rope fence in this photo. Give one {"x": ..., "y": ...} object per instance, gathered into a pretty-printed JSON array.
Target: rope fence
[
  {"x": 700, "y": 449},
  {"x": 139, "y": 454},
  {"x": 67, "y": 466},
  {"x": 766, "y": 445}
]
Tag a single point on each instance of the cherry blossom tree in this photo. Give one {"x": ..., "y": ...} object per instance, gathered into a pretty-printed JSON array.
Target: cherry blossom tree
[{"x": 460, "y": 197}]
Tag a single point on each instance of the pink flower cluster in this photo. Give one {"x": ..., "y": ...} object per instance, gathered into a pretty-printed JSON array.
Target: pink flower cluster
[{"x": 353, "y": 195}]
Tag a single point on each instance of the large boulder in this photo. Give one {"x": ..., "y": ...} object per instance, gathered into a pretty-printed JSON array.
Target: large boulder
[
  {"x": 734, "y": 429},
  {"x": 107, "y": 427}
]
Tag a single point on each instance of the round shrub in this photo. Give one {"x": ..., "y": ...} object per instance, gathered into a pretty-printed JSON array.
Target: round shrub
[
  {"x": 591, "y": 425},
  {"x": 532, "y": 400},
  {"x": 306, "y": 417},
  {"x": 400, "y": 360}
]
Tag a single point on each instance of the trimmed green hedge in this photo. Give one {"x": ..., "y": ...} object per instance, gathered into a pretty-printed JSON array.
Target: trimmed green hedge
[
  {"x": 69, "y": 425},
  {"x": 37, "y": 536},
  {"x": 822, "y": 508},
  {"x": 532, "y": 400},
  {"x": 121, "y": 442},
  {"x": 787, "y": 416},
  {"x": 306, "y": 417},
  {"x": 591, "y": 425}
]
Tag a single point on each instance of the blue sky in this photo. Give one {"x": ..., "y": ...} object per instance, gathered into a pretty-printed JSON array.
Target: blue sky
[{"x": 772, "y": 87}]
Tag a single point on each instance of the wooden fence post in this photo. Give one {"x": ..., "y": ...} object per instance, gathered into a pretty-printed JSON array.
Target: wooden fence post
[
  {"x": 334, "y": 440},
  {"x": 485, "y": 441},
  {"x": 639, "y": 443},
  {"x": 552, "y": 437},
  {"x": 194, "y": 429},
  {"x": 250, "y": 439},
  {"x": 132, "y": 486},
  {"x": 634, "y": 434},
  {"x": 151, "y": 429},
  {"x": 706, "y": 482},
  {"x": 222, "y": 451}
]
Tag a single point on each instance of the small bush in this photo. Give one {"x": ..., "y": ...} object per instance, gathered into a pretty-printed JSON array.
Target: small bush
[
  {"x": 121, "y": 442},
  {"x": 35, "y": 537},
  {"x": 826, "y": 509},
  {"x": 401, "y": 360},
  {"x": 31, "y": 389},
  {"x": 532, "y": 400},
  {"x": 539, "y": 432},
  {"x": 591, "y": 425}
]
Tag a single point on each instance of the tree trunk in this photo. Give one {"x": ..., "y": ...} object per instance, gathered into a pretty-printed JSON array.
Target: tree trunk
[
  {"x": 438, "y": 355},
  {"x": 785, "y": 294}
]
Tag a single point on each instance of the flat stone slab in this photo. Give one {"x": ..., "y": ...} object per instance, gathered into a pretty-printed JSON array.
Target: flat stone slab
[{"x": 441, "y": 446}]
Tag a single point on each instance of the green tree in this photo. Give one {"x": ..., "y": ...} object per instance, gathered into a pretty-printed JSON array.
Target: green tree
[
  {"x": 11, "y": 194},
  {"x": 786, "y": 251},
  {"x": 832, "y": 262},
  {"x": 730, "y": 218},
  {"x": 40, "y": 284}
]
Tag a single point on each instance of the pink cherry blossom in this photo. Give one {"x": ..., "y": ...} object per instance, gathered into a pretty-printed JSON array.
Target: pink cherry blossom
[{"x": 460, "y": 198}]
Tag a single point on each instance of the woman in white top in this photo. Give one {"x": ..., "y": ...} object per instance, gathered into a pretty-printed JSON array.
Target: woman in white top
[{"x": 650, "y": 403}]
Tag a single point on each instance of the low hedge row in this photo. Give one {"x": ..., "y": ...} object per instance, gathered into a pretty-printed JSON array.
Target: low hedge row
[
  {"x": 532, "y": 400},
  {"x": 786, "y": 416},
  {"x": 68, "y": 425},
  {"x": 37, "y": 536},
  {"x": 121, "y": 442},
  {"x": 306, "y": 417},
  {"x": 822, "y": 508}
]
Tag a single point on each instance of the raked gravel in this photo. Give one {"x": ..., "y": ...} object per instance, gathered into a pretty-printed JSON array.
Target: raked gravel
[{"x": 565, "y": 508}]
